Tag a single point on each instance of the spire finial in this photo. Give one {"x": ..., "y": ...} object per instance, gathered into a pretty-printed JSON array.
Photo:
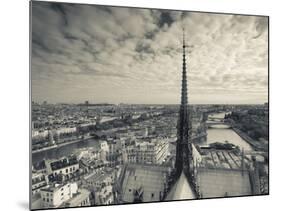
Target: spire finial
[{"x": 183, "y": 36}]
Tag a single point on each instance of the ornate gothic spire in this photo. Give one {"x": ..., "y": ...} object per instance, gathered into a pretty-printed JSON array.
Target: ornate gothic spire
[
  {"x": 184, "y": 183},
  {"x": 184, "y": 153},
  {"x": 184, "y": 99}
]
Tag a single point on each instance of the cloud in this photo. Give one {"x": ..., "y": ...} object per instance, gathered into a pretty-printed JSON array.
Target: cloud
[{"x": 111, "y": 54}]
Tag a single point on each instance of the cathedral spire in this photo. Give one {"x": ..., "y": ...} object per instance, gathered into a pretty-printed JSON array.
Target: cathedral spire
[
  {"x": 184, "y": 181},
  {"x": 183, "y": 151},
  {"x": 184, "y": 100}
]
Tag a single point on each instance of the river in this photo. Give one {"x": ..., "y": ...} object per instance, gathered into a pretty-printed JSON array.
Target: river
[
  {"x": 63, "y": 151},
  {"x": 221, "y": 133}
]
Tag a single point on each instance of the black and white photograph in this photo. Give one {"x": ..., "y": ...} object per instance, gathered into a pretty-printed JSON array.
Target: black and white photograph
[{"x": 134, "y": 105}]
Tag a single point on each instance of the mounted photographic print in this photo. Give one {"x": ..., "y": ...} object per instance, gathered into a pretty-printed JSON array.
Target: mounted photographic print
[{"x": 136, "y": 105}]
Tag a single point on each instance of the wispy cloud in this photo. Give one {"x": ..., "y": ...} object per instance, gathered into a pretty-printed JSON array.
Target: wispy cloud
[{"x": 110, "y": 54}]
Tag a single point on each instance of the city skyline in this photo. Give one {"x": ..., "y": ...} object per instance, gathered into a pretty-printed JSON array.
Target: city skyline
[{"x": 128, "y": 55}]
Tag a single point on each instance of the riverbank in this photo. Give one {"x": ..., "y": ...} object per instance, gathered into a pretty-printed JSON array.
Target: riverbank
[
  {"x": 255, "y": 144},
  {"x": 59, "y": 145},
  {"x": 86, "y": 137},
  {"x": 44, "y": 149}
]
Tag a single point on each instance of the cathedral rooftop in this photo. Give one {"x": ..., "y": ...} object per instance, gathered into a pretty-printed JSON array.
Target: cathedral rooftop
[
  {"x": 150, "y": 178},
  {"x": 181, "y": 190}
]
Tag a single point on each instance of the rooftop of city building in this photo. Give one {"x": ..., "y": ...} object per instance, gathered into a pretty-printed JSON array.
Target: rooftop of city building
[{"x": 64, "y": 162}]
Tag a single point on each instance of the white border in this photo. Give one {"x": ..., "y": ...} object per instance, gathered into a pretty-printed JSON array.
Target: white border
[{"x": 15, "y": 102}]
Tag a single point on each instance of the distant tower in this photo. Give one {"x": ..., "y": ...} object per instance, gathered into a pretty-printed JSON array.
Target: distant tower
[{"x": 184, "y": 148}]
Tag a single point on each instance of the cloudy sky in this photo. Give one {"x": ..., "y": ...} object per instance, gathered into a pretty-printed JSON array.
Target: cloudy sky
[{"x": 114, "y": 55}]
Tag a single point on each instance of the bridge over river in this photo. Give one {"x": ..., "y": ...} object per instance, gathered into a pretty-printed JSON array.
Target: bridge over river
[
  {"x": 220, "y": 130},
  {"x": 216, "y": 119},
  {"x": 214, "y": 124}
]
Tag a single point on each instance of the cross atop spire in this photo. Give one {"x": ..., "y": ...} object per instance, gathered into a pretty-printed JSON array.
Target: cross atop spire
[
  {"x": 183, "y": 37},
  {"x": 184, "y": 45}
]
